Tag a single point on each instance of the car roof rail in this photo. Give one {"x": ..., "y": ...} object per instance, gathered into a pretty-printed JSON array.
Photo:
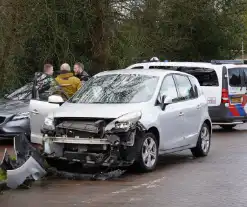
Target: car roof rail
[{"x": 219, "y": 62}]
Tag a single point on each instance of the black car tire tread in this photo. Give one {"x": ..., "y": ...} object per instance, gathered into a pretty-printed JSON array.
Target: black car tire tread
[
  {"x": 198, "y": 151},
  {"x": 139, "y": 164}
]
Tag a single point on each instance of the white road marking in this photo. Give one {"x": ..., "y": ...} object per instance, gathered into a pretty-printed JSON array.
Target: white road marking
[{"x": 150, "y": 184}]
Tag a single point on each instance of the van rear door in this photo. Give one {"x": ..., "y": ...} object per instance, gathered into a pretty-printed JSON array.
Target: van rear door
[{"x": 237, "y": 82}]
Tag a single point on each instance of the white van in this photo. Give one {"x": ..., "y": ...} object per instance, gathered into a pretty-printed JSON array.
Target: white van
[{"x": 223, "y": 82}]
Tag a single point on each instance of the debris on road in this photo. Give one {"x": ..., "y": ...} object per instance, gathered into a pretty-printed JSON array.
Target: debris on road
[
  {"x": 30, "y": 166},
  {"x": 87, "y": 176}
]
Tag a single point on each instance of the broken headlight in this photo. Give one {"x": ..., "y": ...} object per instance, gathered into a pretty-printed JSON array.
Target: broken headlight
[
  {"x": 48, "y": 124},
  {"x": 125, "y": 122}
]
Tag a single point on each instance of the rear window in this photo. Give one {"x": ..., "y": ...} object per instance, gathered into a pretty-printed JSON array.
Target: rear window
[{"x": 205, "y": 76}]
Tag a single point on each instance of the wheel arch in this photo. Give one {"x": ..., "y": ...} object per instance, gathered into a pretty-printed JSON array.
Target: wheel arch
[
  {"x": 156, "y": 133},
  {"x": 208, "y": 122}
]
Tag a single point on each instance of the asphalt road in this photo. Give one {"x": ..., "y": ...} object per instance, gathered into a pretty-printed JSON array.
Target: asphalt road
[{"x": 180, "y": 181}]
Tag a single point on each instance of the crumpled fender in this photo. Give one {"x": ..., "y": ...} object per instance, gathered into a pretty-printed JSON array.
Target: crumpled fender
[{"x": 29, "y": 163}]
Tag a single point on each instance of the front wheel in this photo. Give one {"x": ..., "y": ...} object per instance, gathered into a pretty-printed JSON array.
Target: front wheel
[
  {"x": 147, "y": 153},
  {"x": 203, "y": 143}
]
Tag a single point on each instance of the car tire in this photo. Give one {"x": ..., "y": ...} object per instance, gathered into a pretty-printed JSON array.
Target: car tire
[
  {"x": 147, "y": 153},
  {"x": 227, "y": 127},
  {"x": 204, "y": 142}
]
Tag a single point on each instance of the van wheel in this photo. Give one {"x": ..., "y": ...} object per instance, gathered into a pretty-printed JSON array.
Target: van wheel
[
  {"x": 147, "y": 153},
  {"x": 227, "y": 127},
  {"x": 203, "y": 143}
]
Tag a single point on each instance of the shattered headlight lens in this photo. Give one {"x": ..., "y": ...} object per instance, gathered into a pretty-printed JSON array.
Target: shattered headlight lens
[
  {"x": 124, "y": 122},
  {"x": 49, "y": 124},
  {"x": 20, "y": 116}
]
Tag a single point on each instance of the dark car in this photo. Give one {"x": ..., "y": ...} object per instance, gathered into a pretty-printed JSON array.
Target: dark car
[
  {"x": 14, "y": 115},
  {"x": 14, "y": 108}
]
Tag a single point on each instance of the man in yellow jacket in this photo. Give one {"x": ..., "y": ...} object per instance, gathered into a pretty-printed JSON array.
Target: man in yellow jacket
[{"x": 69, "y": 83}]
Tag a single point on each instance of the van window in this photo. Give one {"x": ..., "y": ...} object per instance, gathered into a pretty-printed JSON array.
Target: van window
[
  {"x": 234, "y": 77},
  {"x": 137, "y": 67},
  {"x": 245, "y": 76},
  {"x": 205, "y": 76},
  {"x": 160, "y": 67}
]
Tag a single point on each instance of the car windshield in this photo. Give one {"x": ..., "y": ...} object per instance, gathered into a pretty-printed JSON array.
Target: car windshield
[
  {"x": 117, "y": 88},
  {"x": 25, "y": 92}
]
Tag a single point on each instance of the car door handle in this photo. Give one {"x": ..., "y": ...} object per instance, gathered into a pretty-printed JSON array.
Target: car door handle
[
  {"x": 35, "y": 111},
  {"x": 198, "y": 106},
  {"x": 181, "y": 114}
]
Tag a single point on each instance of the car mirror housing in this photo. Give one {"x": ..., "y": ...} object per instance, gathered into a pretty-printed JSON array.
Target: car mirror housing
[
  {"x": 165, "y": 100},
  {"x": 55, "y": 99}
]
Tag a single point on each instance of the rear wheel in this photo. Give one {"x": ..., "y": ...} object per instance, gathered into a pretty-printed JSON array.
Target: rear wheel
[
  {"x": 203, "y": 143},
  {"x": 227, "y": 127},
  {"x": 147, "y": 153}
]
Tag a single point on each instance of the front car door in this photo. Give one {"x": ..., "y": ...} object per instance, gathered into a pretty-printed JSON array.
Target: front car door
[
  {"x": 191, "y": 107},
  {"x": 38, "y": 112},
  {"x": 171, "y": 119}
]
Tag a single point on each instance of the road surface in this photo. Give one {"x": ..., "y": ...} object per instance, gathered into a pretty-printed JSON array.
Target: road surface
[{"x": 180, "y": 181}]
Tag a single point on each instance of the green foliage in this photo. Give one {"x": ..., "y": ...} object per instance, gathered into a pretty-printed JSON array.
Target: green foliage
[
  {"x": 111, "y": 34},
  {"x": 3, "y": 175}
]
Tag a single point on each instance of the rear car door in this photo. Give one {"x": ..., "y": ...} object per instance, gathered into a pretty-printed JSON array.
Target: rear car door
[
  {"x": 191, "y": 108},
  {"x": 237, "y": 82},
  {"x": 171, "y": 119}
]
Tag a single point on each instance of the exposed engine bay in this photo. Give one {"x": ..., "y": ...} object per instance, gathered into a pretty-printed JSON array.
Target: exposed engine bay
[
  {"x": 91, "y": 142},
  {"x": 87, "y": 143}
]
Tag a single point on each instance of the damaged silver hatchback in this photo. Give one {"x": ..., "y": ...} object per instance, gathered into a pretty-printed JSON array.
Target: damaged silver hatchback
[{"x": 124, "y": 117}]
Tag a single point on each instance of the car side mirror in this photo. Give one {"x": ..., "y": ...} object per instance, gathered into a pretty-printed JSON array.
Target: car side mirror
[
  {"x": 165, "y": 101},
  {"x": 55, "y": 99},
  {"x": 85, "y": 78}
]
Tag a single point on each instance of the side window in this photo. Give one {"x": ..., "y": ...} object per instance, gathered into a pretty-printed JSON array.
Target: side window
[
  {"x": 184, "y": 87},
  {"x": 137, "y": 67},
  {"x": 245, "y": 76},
  {"x": 168, "y": 88},
  {"x": 195, "y": 83},
  {"x": 162, "y": 67},
  {"x": 46, "y": 86},
  {"x": 234, "y": 77}
]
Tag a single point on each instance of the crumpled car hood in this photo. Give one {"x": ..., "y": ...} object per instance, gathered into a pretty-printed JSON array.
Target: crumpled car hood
[
  {"x": 13, "y": 107},
  {"x": 97, "y": 110}
]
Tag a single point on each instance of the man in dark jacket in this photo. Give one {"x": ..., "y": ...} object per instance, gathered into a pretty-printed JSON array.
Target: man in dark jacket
[
  {"x": 80, "y": 72},
  {"x": 44, "y": 82}
]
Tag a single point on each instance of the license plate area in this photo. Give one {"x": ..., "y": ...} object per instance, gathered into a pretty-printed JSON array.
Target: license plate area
[{"x": 236, "y": 100}]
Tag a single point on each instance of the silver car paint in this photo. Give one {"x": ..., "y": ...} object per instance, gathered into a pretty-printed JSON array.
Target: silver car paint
[{"x": 176, "y": 131}]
